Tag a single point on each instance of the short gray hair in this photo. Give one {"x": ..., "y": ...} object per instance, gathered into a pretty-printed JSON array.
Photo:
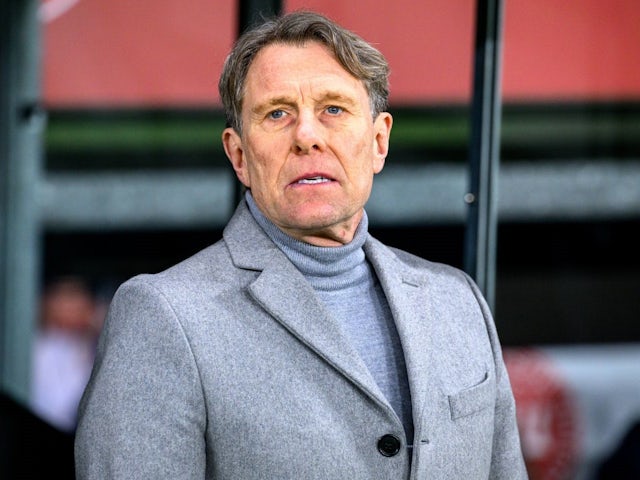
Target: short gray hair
[{"x": 356, "y": 56}]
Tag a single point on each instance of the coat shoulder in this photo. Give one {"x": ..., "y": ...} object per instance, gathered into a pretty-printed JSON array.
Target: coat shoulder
[{"x": 207, "y": 270}]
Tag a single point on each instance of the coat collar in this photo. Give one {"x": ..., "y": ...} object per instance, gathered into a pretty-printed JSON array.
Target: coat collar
[{"x": 282, "y": 291}]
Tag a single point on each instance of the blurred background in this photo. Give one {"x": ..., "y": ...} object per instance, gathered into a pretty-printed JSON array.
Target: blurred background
[{"x": 111, "y": 165}]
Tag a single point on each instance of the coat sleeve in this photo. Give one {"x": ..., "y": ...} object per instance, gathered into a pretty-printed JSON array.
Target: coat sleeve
[
  {"x": 142, "y": 414},
  {"x": 507, "y": 461}
]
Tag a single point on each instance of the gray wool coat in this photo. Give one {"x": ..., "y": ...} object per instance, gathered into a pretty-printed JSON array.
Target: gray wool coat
[{"x": 227, "y": 366}]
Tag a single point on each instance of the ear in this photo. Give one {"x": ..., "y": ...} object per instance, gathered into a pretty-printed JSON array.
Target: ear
[
  {"x": 232, "y": 143},
  {"x": 382, "y": 131}
]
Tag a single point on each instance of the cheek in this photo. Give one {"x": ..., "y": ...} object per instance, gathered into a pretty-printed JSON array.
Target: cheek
[
  {"x": 365, "y": 160},
  {"x": 262, "y": 169}
]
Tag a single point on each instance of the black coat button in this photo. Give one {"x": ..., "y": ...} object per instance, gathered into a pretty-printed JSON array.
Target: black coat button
[{"x": 389, "y": 445}]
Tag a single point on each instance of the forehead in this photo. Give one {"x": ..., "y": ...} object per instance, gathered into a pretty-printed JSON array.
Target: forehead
[{"x": 280, "y": 67}]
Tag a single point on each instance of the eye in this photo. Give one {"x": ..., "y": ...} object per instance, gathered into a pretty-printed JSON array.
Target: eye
[
  {"x": 276, "y": 114},
  {"x": 333, "y": 110}
]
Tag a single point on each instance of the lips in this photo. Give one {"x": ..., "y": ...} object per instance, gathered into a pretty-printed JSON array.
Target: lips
[{"x": 312, "y": 179}]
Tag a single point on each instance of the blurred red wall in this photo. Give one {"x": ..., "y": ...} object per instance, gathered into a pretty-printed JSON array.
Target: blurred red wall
[{"x": 170, "y": 52}]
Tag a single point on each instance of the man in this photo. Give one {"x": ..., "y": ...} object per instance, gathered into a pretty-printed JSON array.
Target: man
[{"x": 298, "y": 347}]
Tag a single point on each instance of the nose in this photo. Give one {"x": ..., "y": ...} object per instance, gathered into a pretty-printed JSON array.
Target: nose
[{"x": 308, "y": 134}]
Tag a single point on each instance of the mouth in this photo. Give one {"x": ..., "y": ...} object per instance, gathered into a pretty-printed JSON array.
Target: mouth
[{"x": 313, "y": 180}]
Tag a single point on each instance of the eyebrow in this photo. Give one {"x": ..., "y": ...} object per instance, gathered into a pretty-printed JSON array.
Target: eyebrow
[
  {"x": 338, "y": 97},
  {"x": 264, "y": 107}
]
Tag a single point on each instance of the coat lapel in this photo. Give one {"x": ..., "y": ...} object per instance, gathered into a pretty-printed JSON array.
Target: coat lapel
[
  {"x": 283, "y": 292},
  {"x": 407, "y": 293}
]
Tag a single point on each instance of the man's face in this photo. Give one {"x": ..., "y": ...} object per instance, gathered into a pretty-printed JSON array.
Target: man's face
[{"x": 309, "y": 147}]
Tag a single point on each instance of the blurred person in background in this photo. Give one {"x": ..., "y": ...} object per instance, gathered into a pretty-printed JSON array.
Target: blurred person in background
[{"x": 63, "y": 351}]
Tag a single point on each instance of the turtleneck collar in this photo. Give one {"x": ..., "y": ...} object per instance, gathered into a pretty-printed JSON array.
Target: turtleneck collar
[{"x": 326, "y": 268}]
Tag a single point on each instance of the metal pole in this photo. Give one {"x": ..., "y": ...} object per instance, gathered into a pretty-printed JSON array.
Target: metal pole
[
  {"x": 251, "y": 13},
  {"x": 21, "y": 129},
  {"x": 484, "y": 153}
]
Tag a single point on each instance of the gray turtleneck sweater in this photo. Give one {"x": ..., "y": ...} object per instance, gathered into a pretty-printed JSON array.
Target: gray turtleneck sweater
[{"x": 347, "y": 284}]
